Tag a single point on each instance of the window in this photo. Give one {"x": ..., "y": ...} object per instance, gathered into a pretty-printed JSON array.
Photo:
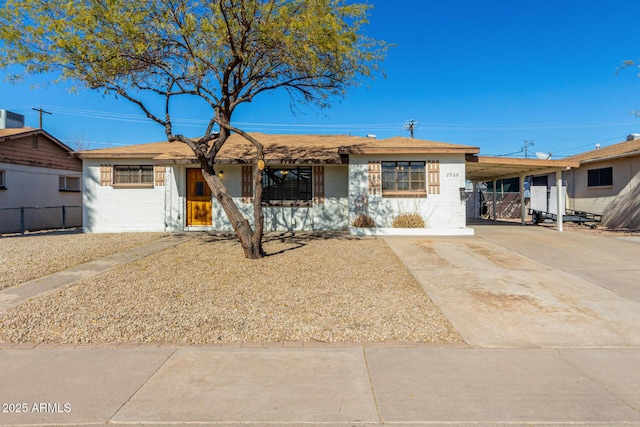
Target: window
[
  {"x": 287, "y": 186},
  {"x": 540, "y": 181},
  {"x": 405, "y": 179},
  {"x": 133, "y": 175},
  {"x": 599, "y": 177},
  {"x": 69, "y": 183},
  {"x": 2, "y": 183}
]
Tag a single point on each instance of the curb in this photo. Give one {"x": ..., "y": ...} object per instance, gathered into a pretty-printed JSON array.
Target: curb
[{"x": 229, "y": 345}]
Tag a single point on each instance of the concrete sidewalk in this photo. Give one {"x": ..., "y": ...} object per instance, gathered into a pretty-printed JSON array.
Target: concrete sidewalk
[
  {"x": 558, "y": 346},
  {"x": 322, "y": 386}
]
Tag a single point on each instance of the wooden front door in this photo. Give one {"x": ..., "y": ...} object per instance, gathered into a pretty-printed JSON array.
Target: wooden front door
[{"x": 198, "y": 199}]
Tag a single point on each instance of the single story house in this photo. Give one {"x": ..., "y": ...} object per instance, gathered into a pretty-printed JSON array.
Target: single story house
[
  {"x": 608, "y": 183},
  {"x": 311, "y": 182},
  {"x": 40, "y": 183}
]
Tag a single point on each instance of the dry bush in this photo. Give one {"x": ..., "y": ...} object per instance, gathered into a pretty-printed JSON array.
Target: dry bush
[
  {"x": 363, "y": 221},
  {"x": 412, "y": 220}
]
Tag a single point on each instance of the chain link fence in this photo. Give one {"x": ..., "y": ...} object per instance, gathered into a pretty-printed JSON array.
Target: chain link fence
[{"x": 35, "y": 218}]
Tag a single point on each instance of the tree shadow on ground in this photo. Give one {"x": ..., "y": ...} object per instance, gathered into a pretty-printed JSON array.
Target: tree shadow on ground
[{"x": 295, "y": 239}]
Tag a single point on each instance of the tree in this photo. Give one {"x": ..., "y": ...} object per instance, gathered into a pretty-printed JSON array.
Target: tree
[
  {"x": 626, "y": 64},
  {"x": 223, "y": 52}
]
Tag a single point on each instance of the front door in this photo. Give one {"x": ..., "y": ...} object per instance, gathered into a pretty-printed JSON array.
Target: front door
[{"x": 198, "y": 199}]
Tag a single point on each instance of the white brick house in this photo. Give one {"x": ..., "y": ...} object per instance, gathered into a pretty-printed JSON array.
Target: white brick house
[{"x": 310, "y": 182}]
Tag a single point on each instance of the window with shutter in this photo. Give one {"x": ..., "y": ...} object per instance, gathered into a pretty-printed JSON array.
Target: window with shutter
[
  {"x": 288, "y": 186},
  {"x": 403, "y": 179}
]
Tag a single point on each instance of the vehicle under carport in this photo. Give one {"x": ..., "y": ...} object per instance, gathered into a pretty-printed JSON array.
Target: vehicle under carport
[{"x": 491, "y": 169}]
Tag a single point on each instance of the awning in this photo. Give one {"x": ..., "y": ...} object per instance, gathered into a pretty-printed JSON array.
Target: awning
[{"x": 484, "y": 169}]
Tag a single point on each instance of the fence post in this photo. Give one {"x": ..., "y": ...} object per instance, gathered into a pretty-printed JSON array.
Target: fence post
[
  {"x": 63, "y": 218},
  {"x": 21, "y": 219}
]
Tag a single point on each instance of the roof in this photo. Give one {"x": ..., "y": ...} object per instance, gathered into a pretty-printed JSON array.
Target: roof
[
  {"x": 621, "y": 149},
  {"x": 15, "y": 133},
  {"x": 398, "y": 145},
  {"x": 282, "y": 149},
  {"x": 484, "y": 168}
]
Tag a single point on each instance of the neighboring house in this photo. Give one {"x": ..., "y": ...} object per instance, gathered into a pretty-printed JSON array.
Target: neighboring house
[
  {"x": 608, "y": 183},
  {"x": 36, "y": 171},
  {"x": 310, "y": 182}
]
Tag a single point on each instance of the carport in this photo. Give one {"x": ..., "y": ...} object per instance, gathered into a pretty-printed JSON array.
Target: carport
[{"x": 492, "y": 169}]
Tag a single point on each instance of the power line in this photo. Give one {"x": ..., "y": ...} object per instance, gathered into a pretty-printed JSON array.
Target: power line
[{"x": 378, "y": 126}]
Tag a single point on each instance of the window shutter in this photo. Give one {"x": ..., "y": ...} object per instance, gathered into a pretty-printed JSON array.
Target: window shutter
[
  {"x": 247, "y": 187},
  {"x": 433, "y": 172},
  {"x": 105, "y": 175},
  {"x": 374, "y": 177},
  {"x": 159, "y": 172},
  {"x": 318, "y": 184}
]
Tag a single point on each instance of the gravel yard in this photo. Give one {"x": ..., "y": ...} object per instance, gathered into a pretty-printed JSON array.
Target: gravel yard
[
  {"x": 30, "y": 256},
  {"x": 310, "y": 288}
]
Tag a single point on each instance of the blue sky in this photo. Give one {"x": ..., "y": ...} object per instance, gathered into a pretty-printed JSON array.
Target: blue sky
[{"x": 490, "y": 73}]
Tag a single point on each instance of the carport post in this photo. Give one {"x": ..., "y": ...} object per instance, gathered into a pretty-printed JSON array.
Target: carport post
[
  {"x": 523, "y": 210},
  {"x": 495, "y": 211},
  {"x": 559, "y": 199},
  {"x": 475, "y": 202}
]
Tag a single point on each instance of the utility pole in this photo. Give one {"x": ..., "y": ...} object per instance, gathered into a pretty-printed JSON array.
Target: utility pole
[
  {"x": 410, "y": 126},
  {"x": 526, "y": 148},
  {"x": 40, "y": 110}
]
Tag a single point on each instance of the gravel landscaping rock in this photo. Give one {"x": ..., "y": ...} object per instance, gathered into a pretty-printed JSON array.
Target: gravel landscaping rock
[
  {"x": 30, "y": 256},
  {"x": 310, "y": 288}
]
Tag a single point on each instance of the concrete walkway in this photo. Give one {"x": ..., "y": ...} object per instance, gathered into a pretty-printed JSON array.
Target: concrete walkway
[{"x": 506, "y": 380}]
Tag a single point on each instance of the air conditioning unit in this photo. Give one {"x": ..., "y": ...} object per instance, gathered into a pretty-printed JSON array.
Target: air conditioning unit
[{"x": 9, "y": 120}]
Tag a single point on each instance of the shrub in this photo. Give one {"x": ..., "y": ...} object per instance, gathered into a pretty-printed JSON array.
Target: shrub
[
  {"x": 412, "y": 220},
  {"x": 363, "y": 221}
]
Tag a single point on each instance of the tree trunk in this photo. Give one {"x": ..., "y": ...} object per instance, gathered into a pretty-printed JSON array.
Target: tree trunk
[
  {"x": 250, "y": 240},
  {"x": 258, "y": 215}
]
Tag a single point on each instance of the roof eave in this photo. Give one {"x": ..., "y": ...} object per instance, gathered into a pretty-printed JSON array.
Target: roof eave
[
  {"x": 612, "y": 157},
  {"x": 90, "y": 155},
  {"x": 268, "y": 161},
  {"x": 408, "y": 150},
  {"x": 516, "y": 161},
  {"x": 480, "y": 168}
]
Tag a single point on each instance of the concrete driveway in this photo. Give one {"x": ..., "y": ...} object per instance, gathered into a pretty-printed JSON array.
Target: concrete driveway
[{"x": 511, "y": 286}]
